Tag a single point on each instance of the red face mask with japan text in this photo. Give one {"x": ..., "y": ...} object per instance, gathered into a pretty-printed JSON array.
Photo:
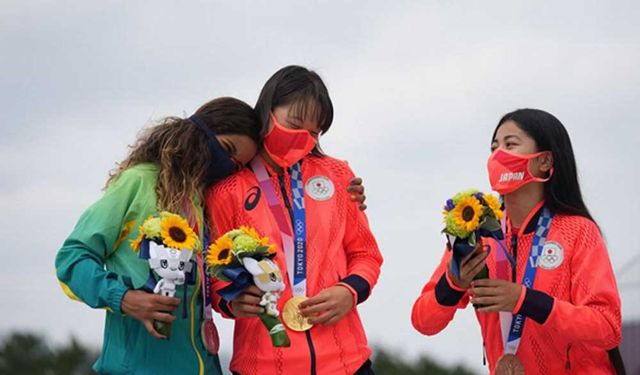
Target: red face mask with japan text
[{"x": 509, "y": 171}]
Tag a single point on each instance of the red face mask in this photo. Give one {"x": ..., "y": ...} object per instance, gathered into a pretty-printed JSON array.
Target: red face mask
[
  {"x": 509, "y": 172},
  {"x": 287, "y": 146}
]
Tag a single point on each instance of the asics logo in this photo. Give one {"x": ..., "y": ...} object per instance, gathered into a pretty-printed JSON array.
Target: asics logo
[{"x": 252, "y": 199}]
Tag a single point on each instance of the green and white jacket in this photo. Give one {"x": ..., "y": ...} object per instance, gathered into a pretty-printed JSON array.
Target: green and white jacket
[{"x": 96, "y": 265}]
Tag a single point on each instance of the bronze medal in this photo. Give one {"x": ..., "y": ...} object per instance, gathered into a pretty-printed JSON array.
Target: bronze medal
[
  {"x": 292, "y": 316},
  {"x": 210, "y": 337},
  {"x": 509, "y": 364}
]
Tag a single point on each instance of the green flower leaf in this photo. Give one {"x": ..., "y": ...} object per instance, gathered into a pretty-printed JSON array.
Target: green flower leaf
[
  {"x": 216, "y": 271},
  {"x": 472, "y": 240},
  {"x": 491, "y": 224}
]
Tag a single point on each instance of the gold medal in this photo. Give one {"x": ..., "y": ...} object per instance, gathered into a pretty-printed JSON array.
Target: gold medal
[
  {"x": 292, "y": 316},
  {"x": 509, "y": 364}
]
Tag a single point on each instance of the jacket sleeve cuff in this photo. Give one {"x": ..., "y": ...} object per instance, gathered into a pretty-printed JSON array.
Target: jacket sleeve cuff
[
  {"x": 536, "y": 305},
  {"x": 452, "y": 284},
  {"x": 354, "y": 294},
  {"x": 446, "y": 293},
  {"x": 358, "y": 285},
  {"x": 520, "y": 301},
  {"x": 115, "y": 298}
]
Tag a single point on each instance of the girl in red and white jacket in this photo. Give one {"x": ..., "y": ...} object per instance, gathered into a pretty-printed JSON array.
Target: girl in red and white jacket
[
  {"x": 567, "y": 317},
  {"x": 294, "y": 191}
]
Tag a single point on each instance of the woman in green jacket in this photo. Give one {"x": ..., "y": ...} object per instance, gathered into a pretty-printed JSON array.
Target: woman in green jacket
[{"x": 168, "y": 169}]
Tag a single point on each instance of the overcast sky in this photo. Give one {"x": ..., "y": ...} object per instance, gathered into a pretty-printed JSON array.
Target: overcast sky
[{"x": 418, "y": 88}]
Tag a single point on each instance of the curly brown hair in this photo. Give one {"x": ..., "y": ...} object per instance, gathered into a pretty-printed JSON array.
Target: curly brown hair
[{"x": 181, "y": 149}]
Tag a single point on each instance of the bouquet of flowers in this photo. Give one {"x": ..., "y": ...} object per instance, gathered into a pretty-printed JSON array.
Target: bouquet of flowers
[
  {"x": 244, "y": 258},
  {"x": 167, "y": 242},
  {"x": 468, "y": 216}
]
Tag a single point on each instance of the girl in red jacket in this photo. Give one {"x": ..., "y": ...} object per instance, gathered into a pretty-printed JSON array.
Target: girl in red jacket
[
  {"x": 551, "y": 305},
  {"x": 298, "y": 197}
]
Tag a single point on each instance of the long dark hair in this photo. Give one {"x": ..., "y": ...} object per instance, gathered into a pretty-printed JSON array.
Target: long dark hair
[
  {"x": 562, "y": 192},
  {"x": 304, "y": 90},
  {"x": 181, "y": 149}
]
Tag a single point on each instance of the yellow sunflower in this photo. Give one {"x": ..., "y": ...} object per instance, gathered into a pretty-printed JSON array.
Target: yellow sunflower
[
  {"x": 466, "y": 214},
  {"x": 220, "y": 252},
  {"x": 251, "y": 232},
  {"x": 494, "y": 204},
  {"x": 452, "y": 228},
  {"x": 271, "y": 248},
  {"x": 263, "y": 241},
  {"x": 176, "y": 233}
]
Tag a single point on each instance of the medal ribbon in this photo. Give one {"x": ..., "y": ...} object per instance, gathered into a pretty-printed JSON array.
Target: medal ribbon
[
  {"x": 206, "y": 285},
  {"x": 517, "y": 323},
  {"x": 502, "y": 273},
  {"x": 294, "y": 250},
  {"x": 300, "y": 232},
  {"x": 195, "y": 223}
]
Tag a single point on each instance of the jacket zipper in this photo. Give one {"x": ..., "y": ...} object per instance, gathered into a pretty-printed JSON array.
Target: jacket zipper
[
  {"x": 285, "y": 198},
  {"x": 514, "y": 252},
  {"x": 484, "y": 354}
]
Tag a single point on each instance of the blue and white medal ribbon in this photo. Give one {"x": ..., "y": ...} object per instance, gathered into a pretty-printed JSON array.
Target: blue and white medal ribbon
[
  {"x": 298, "y": 260},
  {"x": 517, "y": 322},
  {"x": 294, "y": 244}
]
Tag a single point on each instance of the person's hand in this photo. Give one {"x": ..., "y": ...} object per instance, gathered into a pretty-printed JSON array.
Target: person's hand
[
  {"x": 495, "y": 295},
  {"x": 328, "y": 306},
  {"x": 247, "y": 304},
  {"x": 147, "y": 307},
  {"x": 356, "y": 189},
  {"x": 470, "y": 266}
]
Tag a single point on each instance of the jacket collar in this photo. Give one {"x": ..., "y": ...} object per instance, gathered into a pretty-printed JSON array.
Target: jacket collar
[{"x": 531, "y": 221}]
